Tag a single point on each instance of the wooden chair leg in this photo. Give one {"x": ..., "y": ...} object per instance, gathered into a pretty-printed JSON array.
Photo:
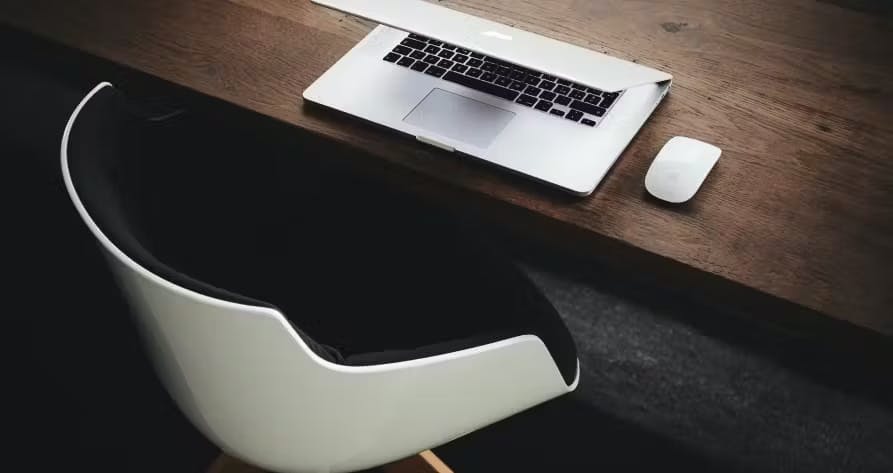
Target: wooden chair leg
[
  {"x": 425, "y": 462},
  {"x": 227, "y": 464}
]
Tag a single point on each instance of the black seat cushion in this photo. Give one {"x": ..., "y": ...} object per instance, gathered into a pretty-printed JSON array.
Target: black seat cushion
[{"x": 366, "y": 276}]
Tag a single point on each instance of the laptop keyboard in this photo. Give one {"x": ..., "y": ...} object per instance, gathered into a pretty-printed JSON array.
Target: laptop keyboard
[{"x": 556, "y": 97}]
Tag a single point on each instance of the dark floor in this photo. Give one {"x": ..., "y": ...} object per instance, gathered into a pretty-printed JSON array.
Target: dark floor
[
  {"x": 662, "y": 387},
  {"x": 666, "y": 382}
]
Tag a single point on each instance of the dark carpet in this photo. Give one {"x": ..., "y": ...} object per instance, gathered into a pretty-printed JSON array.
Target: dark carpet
[{"x": 668, "y": 383}]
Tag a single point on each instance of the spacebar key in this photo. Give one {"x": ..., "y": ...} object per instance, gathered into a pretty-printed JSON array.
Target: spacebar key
[{"x": 480, "y": 85}]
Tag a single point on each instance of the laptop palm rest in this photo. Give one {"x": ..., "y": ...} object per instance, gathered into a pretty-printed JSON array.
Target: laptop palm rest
[{"x": 459, "y": 118}]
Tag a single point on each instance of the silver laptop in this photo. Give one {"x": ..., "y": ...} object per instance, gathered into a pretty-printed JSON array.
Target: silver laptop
[{"x": 546, "y": 109}]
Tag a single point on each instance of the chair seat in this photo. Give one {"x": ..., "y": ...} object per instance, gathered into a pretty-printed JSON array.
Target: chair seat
[
  {"x": 390, "y": 281},
  {"x": 369, "y": 276}
]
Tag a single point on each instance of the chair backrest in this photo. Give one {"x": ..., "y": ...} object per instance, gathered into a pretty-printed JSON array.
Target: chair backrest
[
  {"x": 221, "y": 358},
  {"x": 245, "y": 376}
]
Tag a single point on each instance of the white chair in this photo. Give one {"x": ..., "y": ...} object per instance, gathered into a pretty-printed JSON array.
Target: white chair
[{"x": 265, "y": 391}]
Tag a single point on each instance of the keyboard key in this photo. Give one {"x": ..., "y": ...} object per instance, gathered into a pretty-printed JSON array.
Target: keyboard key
[
  {"x": 518, "y": 75},
  {"x": 418, "y": 55},
  {"x": 549, "y": 78},
  {"x": 435, "y": 71},
  {"x": 505, "y": 82},
  {"x": 474, "y": 63},
  {"x": 533, "y": 80},
  {"x": 555, "y": 111},
  {"x": 579, "y": 87},
  {"x": 402, "y": 50},
  {"x": 544, "y": 105},
  {"x": 503, "y": 71},
  {"x": 446, "y": 54},
  {"x": 592, "y": 99},
  {"x": 574, "y": 115},
  {"x": 419, "y": 66},
  {"x": 477, "y": 55},
  {"x": 546, "y": 95},
  {"x": 526, "y": 100},
  {"x": 460, "y": 68},
  {"x": 515, "y": 85},
  {"x": 432, "y": 59},
  {"x": 392, "y": 57},
  {"x": 498, "y": 62},
  {"x": 460, "y": 58},
  {"x": 475, "y": 72},
  {"x": 548, "y": 85},
  {"x": 608, "y": 101},
  {"x": 445, "y": 63},
  {"x": 564, "y": 82},
  {"x": 406, "y": 62},
  {"x": 418, "y": 37},
  {"x": 449, "y": 46},
  {"x": 562, "y": 89},
  {"x": 587, "y": 122},
  {"x": 594, "y": 91},
  {"x": 562, "y": 100},
  {"x": 578, "y": 94},
  {"x": 585, "y": 107},
  {"x": 489, "y": 67},
  {"x": 413, "y": 43},
  {"x": 489, "y": 76},
  {"x": 435, "y": 42},
  {"x": 531, "y": 90},
  {"x": 463, "y": 51},
  {"x": 610, "y": 95},
  {"x": 480, "y": 85},
  {"x": 432, "y": 50}
]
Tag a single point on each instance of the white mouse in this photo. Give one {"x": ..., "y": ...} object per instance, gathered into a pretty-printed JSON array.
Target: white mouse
[{"x": 680, "y": 168}]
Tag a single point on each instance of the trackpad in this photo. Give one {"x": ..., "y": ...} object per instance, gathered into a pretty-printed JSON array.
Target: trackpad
[{"x": 459, "y": 118}]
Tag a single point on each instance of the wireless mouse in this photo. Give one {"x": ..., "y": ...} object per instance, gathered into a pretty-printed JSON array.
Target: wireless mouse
[{"x": 680, "y": 168}]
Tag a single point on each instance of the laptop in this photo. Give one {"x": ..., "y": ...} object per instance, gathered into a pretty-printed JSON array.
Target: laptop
[{"x": 542, "y": 108}]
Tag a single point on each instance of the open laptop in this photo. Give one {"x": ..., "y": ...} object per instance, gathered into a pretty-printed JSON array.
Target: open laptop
[{"x": 549, "y": 110}]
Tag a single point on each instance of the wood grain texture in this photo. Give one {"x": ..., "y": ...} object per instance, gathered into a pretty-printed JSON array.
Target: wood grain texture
[{"x": 799, "y": 94}]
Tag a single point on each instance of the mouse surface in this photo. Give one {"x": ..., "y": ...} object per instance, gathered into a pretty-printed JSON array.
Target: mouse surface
[{"x": 680, "y": 168}]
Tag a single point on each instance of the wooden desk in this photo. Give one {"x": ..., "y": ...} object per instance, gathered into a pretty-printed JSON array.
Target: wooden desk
[{"x": 796, "y": 220}]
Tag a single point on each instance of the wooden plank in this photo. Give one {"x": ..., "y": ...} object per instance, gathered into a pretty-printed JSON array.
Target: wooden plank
[
  {"x": 797, "y": 216},
  {"x": 425, "y": 462}
]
